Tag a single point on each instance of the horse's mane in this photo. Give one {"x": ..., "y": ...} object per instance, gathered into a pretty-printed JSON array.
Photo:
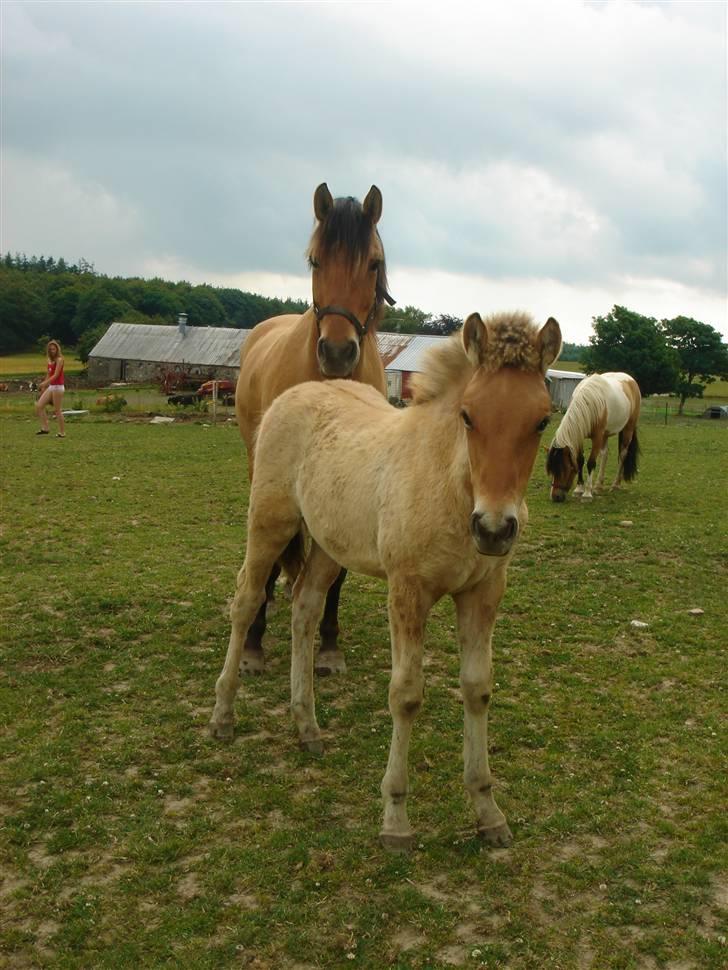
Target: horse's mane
[
  {"x": 587, "y": 406},
  {"x": 347, "y": 231},
  {"x": 511, "y": 343}
]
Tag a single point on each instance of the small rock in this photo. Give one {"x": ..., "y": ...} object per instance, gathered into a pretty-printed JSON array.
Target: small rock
[
  {"x": 639, "y": 625},
  {"x": 161, "y": 419},
  {"x": 625, "y": 523},
  {"x": 696, "y": 612}
]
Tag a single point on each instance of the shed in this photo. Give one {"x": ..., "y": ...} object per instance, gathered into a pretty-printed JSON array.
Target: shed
[
  {"x": 408, "y": 362},
  {"x": 136, "y": 352},
  {"x": 561, "y": 385}
]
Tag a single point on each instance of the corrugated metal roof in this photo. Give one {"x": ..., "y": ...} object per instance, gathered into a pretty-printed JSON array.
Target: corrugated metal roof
[
  {"x": 565, "y": 374},
  {"x": 392, "y": 344},
  {"x": 205, "y": 346},
  {"x": 410, "y": 359}
]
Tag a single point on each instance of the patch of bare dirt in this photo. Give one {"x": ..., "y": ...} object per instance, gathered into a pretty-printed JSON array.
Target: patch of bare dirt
[{"x": 408, "y": 939}]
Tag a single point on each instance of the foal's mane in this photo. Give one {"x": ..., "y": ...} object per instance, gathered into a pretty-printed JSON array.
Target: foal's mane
[
  {"x": 347, "y": 231},
  {"x": 511, "y": 343},
  {"x": 586, "y": 409}
]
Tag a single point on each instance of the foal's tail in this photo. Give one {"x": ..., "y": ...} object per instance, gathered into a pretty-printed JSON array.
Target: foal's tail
[{"x": 629, "y": 469}]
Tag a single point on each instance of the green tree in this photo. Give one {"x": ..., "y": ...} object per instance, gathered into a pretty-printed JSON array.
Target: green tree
[
  {"x": 627, "y": 341},
  {"x": 24, "y": 312},
  {"x": 702, "y": 355},
  {"x": 408, "y": 319},
  {"x": 89, "y": 340}
]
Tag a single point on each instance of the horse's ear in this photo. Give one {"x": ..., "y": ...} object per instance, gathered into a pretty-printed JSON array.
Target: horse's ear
[
  {"x": 475, "y": 339},
  {"x": 373, "y": 205},
  {"x": 549, "y": 343},
  {"x": 323, "y": 201}
]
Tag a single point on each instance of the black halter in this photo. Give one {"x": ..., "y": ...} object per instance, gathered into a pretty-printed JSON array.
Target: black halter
[{"x": 340, "y": 311}]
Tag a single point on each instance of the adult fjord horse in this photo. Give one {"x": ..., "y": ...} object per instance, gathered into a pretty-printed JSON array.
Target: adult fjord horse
[
  {"x": 430, "y": 498},
  {"x": 602, "y": 405},
  {"x": 334, "y": 338}
]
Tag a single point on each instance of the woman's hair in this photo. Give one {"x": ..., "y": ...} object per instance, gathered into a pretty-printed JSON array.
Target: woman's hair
[{"x": 48, "y": 348}]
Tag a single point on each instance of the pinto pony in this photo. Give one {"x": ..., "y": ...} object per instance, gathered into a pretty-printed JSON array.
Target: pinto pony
[
  {"x": 430, "y": 498},
  {"x": 602, "y": 405},
  {"x": 334, "y": 338}
]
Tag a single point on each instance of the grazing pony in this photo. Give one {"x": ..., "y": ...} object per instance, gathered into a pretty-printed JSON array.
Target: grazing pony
[
  {"x": 334, "y": 338},
  {"x": 430, "y": 498},
  {"x": 602, "y": 405}
]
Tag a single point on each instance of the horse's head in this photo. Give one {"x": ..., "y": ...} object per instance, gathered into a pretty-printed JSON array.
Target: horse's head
[
  {"x": 349, "y": 277},
  {"x": 562, "y": 467},
  {"x": 504, "y": 409}
]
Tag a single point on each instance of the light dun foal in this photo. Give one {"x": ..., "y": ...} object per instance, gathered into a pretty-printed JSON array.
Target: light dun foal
[{"x": 430, "y": 498}]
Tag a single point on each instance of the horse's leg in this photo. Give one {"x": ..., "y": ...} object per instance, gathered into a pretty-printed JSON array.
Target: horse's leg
[
  {"x": 625, "y": 439},
  {"x": 579, "y": 490},
  {"x": 590, "y": 466},
  {"x": 310, "y": 588},
  {"x": 603, "y": 455},
  {"x": 330, "y": 659},
  {"x": 476, "y": 612},
  {"x": 253, "y": 659},
  {"x": 267, "y": 538},
  {"x": 408, "y": 609}
]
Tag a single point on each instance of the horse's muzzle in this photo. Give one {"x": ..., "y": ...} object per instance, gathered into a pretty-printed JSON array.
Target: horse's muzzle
[
  {"x": 558, "y": 494},
  {"x": 491, "y": 542},
  {"x": 337, "y": 360}
]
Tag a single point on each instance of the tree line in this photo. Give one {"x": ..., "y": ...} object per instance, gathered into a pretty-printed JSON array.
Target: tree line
[{"x": 41, "y": 296}]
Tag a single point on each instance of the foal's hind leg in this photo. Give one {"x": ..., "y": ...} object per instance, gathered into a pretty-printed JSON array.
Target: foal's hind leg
[
  {"x": 330, "y": 659},
  {"x": 476, "y": 611},
  {"x": 267, "y": 537},
  {"x": 253, "y": 659},
  {"x": 309, "y": 591}
]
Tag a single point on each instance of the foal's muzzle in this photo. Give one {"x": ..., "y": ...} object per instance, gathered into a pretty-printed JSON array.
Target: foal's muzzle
[
  {"x": 337, "y": 359},
  {"x": 493, "y": 542}
]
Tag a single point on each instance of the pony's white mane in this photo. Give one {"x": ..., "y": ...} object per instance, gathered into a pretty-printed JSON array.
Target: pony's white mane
[
  {"x": 587, "y": 406},
  {"x": 511, "y": 343}
]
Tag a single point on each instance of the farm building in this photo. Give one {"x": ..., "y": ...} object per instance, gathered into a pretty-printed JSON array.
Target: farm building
[
  {"x": 561, "y": 386},
  {"x": 136, "y": 352}
]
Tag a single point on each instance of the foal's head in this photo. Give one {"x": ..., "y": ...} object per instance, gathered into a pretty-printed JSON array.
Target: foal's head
[
  {"x": 349, "y": 276},
  {"x": 503, "y": 410}
]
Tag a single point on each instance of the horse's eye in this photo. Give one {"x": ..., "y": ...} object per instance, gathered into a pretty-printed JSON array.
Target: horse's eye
[
  {"x": 374, "y": 265},
  {"x": 466, "y": 420},
  {"x": 543, "y": 425},
  {"x": 313, "y": 263}
]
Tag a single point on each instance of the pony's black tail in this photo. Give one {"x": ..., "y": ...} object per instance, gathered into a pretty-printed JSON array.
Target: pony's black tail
[{"x": 629, "y": 469}]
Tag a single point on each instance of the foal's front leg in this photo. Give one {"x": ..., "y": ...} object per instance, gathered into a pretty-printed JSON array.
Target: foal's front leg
[
  {"x": 408, "y": 609},
  {"x": 476, "y": 611}
]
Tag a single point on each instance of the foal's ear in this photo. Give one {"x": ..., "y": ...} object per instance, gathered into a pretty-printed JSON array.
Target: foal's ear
[
  {"x": 323, "y": 201},
  {"x": 475, "y": 339},
  {"x": 372, "y": 205},
  {"x": 549, "y": 343}
]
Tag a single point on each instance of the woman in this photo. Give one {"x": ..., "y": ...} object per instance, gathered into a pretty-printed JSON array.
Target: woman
[{"x": 52, "y": 389}]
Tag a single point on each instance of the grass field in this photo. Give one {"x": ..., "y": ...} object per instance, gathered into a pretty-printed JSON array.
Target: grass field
[
  {"x": 34, "y": 365},
  {"x": 128, "y": 838}
]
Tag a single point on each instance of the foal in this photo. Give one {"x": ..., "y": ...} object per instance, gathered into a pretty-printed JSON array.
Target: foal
[{"x": 430, "y": 498}]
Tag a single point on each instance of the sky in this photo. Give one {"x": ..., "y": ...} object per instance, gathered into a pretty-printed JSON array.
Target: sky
[{"x": 556, "y": 157}]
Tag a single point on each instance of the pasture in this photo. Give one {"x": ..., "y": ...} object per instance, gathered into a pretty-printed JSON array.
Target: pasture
[{"x": 129, "y": 838}]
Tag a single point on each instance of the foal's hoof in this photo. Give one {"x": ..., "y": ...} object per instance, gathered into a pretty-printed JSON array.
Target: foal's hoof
[
  {"x": 330, "y": 662},
  {"x": 499, "y": 836},
  {"x": 252, "y": 663},
  {"x": 315, "y": 746},
  {"x": 397, "y": 843},
  {"x": 222, "y": 730}
]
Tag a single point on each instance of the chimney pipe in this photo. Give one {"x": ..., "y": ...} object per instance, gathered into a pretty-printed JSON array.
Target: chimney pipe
[{"x": 182, "y": 323}]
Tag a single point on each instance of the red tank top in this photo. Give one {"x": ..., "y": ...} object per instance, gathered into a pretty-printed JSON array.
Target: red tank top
[{"x": 58, "y": 379}]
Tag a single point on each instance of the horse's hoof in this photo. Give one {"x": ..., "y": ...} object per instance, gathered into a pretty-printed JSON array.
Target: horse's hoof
[
  {"x": 251, "y": 664},
  {"x": 315, "y": 746},
  {"x": 397, "y": 843},
  {"x": 222, "y": 730},
  {"x": 499, "y": 836},
  {"x": 330, "y": 662},
  {"x": 587, "y": 498}
]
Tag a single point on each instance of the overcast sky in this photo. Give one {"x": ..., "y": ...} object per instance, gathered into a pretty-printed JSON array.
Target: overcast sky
[{"x": 557, "y": 156}]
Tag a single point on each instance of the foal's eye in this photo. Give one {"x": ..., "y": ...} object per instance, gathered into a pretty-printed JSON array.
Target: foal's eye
[
  {"x": 313, "y": 263},
  {"x": 542, "y": 425},
  {"x": 466, "y": 420}
]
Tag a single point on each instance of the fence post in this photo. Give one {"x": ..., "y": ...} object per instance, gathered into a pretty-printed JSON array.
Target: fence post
[{"x": 666, "y": 406}]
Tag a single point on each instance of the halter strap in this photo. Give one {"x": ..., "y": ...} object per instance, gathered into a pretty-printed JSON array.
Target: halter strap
[{"x": 361, "y": 329}]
